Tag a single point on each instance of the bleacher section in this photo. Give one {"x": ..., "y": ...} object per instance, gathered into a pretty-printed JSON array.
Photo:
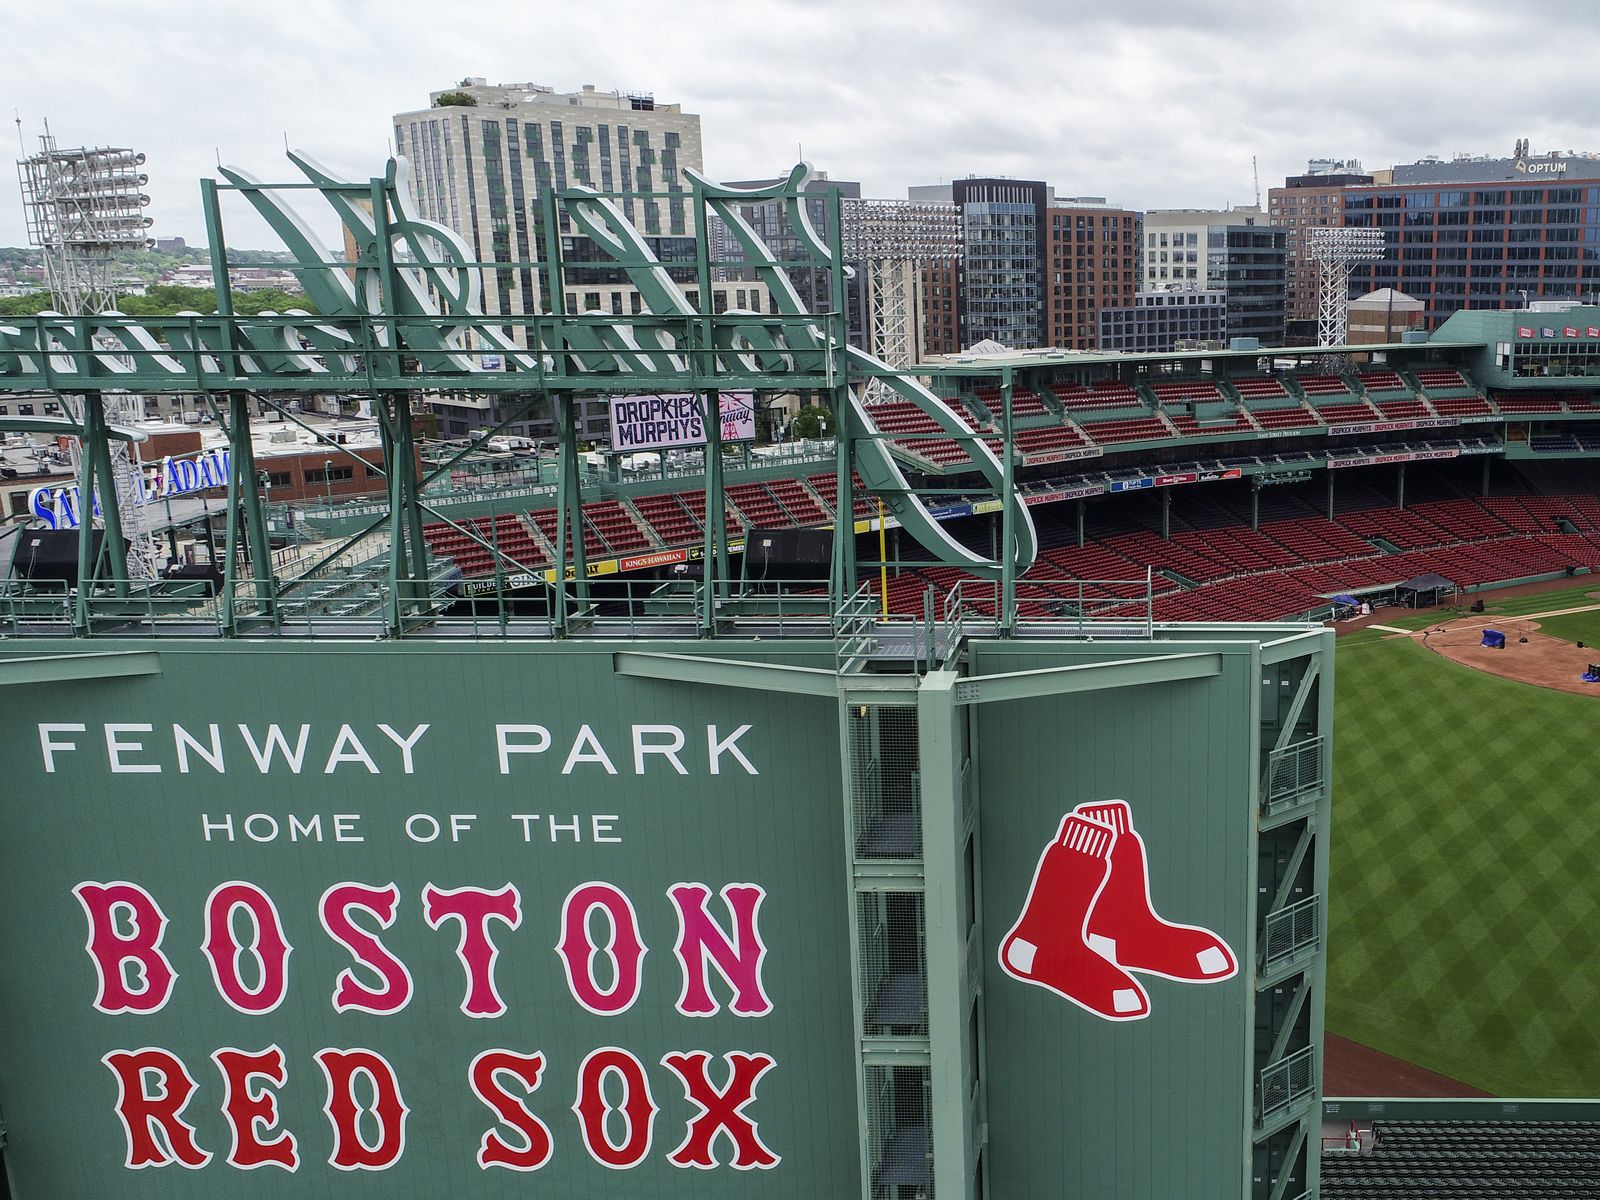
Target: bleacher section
[
  {"x": 1441, "y": 381},
  {"x": 1469, "y": 1160},
  {"x": 1259, "y": 387},
  {"x": 1214, "y": 567},
  {"x": 1139, "y": 429},
  {"x": 1383, "y": 384},
  {"x": 901, "y": 416},
  {"x": 1529, "y": 402},
  {"x": 1023, "y": 402},
  {"x": 1105, "y": 394},
  {"x": 1198, "y": 391},
  {"x": 1317, "y": 386}
]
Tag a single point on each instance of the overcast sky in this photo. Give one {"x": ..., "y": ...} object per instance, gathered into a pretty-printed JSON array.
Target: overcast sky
[{"x": 1152, "y": 103}]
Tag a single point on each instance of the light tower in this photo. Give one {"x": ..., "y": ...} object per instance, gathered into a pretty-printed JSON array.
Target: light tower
[
  {"x": 1336, "y": 250},
  {"x": 82, "y": 207},
  {"x": 895, "y": 238}
]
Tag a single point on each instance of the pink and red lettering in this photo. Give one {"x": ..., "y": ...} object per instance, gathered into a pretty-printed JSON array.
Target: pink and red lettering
[
  {"x": 494, "y": 1150},
  {"x": 702, "y": 940},
  {"x": 625, "y": 948},
  {"x": 252, "y": 1110},
  {"x": 350, "y": 1151},
  {"x": 720, "y": 1111},
  {"x": 268, "y": 947},
  {"x": 638, "y": 1109},
  {"x": 349, "y": 992},
  {"x": 475, "y": 908},
  {"x": 153, "y": 1086},
  {"x": 112, "y": 951}
]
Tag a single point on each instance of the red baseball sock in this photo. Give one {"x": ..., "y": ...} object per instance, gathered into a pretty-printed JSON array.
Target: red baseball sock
[
  {"x": 1047, "y": 944},
  {"x": 1123, "y": 925}
]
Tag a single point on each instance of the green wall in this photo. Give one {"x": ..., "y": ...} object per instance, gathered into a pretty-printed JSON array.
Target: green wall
[{"x": 1161, "y": 1106}]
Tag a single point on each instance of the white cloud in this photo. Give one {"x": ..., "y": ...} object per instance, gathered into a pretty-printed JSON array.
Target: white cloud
[{"x": 1153, "y": 103}]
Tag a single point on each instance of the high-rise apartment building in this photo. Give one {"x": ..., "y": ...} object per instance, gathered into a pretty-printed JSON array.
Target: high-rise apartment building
[
  {"x": 1091, "y": 262},
  {"x": 1476, "y": 233},
  {"x": 1235, "y": 250},
  {"x": 1001, "y": 296},
  {"x": 1305, "y": 202},
  {"x": 484, "y": 155}
]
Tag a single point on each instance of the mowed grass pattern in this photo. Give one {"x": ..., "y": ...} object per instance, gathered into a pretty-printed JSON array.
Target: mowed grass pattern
[{"x": 1464, "y": 922}]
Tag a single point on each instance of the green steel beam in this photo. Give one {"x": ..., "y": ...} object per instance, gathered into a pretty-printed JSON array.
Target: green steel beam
[
  {"x": 1286, "y": 1027},
  {"x": 1296, "y": 645},
  {"x": 940, "y": 755},
  {"x": 726, "y": 672},
  {"x": 1296, "y": 706},
  {"x": 68, "y": 427},
  {"x": 61, "y": 668},
  {"x": 1087, "y": 677},
  {"x": 1296, "y": 860},
  {"x": 1286, "y": 1167}
]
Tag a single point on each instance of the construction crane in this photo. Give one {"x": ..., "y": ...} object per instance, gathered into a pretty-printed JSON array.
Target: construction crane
[{"x": 1256, "y": 175}]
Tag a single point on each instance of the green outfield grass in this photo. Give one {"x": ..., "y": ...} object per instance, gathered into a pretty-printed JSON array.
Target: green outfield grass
[{"x": 1464, "y": 923}]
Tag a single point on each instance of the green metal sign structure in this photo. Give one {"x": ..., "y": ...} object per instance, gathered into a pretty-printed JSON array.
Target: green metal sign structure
[
  {"x": 401, "y": 317},
  {"x": 345, "y": 886}
]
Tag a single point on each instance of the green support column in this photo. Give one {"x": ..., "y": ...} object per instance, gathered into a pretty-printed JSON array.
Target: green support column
[
  {"x": 1082, "y": 506},
  {"x": 1255, "y": 502},
  {"x": 96, "y": 443},
  {"x": 716, "y": 530},
  {"x": 86, "y": 557},
  {"x": 1400, "y": 487},
  {"x": 244, "y": 504},
  {"x": 569, "y": 512},
  {"x": 1166, "y": 513},
  {"x": 1329, "y": 475},
  {"x": 843, "y": 570},
  {"x": 1484, "y": 487},
  {"x": 1008, "y": 570},
  {"x": 940, "y": 754},
  {"x": 408, "y": 558}
]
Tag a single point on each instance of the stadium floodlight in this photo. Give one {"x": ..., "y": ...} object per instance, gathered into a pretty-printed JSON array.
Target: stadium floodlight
[
  {"x": 82, "y": 207},
  {"x": 895, "y": 239},
  {"x": 1335, "y": 250}
]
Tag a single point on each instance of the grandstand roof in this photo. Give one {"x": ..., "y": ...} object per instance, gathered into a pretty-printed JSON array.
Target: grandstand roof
[{"x": 967, "y": 363}]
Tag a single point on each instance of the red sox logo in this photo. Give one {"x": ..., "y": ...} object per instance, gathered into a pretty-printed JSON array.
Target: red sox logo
[{"x": 1088, "y": 921}]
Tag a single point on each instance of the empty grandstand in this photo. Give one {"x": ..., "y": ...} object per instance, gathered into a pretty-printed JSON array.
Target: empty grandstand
[{"x": 1247, "y": 484}]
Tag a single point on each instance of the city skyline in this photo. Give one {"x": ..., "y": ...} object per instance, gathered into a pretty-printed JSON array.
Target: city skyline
[{"x": 1147, "y": 106}]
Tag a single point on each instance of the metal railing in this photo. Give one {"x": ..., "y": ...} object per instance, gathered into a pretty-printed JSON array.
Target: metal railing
[
  {"x": 1102, "y": 607},
  {"x": 1291, "y": 932},
  {"x": 1293, "y": 773},
  {"x": 1287, "y": 1082}
]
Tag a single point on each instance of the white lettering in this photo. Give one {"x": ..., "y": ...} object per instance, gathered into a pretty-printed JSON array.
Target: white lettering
[
  {"x": 429, "y": 825},
  {"x": 276, "y": 741},
  {"x": 185, "y": 743},
  {"x": 406, "y": 745},
  {"x": 116, "y": 748},
  {"x": 596, "y": 753},
  {"x": 502, "y": 733},
  {"x": 49, "y": 745},
  {"x": 355, "y": 752},
  {"x": 716, "y": 749},
  {"x": 668, "y": 749}
]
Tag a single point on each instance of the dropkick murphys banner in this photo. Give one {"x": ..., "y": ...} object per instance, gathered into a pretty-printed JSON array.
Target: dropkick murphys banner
[{"x": 382, "y": 920}]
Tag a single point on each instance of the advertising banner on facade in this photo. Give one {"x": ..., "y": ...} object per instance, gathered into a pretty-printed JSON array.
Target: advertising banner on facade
[
  {"x": 387, "y": 922},
  {"x": 660, "y": 422}
]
